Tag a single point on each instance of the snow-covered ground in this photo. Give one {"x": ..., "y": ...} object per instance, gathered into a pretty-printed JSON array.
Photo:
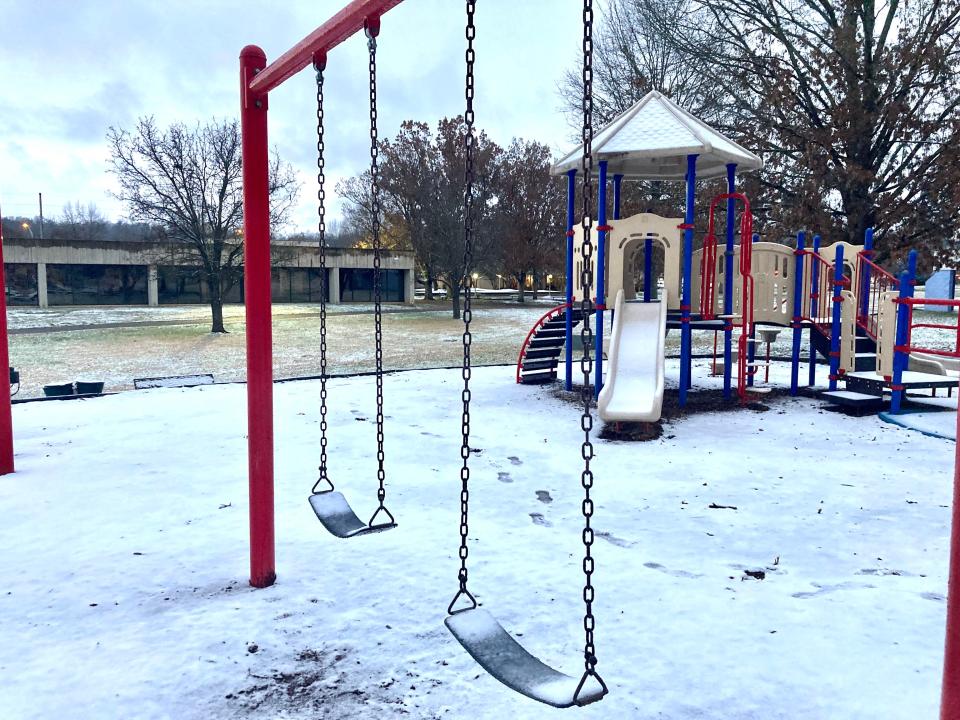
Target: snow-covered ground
[{"x": 124, "y": 544}]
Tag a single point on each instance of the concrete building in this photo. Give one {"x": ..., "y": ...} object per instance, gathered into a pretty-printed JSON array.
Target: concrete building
[{"x": 47, "y": 273}]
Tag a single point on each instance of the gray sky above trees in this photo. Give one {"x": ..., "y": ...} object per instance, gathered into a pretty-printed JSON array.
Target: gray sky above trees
[{"x": 75, "y": 68}]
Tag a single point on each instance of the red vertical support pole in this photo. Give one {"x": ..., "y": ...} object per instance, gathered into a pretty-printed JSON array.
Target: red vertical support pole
[
  {"x": 256, "y": 255},
  {"x": 950, "y": 697},
  {"x": 6, "y": 416}
]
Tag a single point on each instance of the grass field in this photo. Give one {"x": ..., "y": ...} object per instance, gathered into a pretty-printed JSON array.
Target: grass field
[{"x": 117, "y": 344}]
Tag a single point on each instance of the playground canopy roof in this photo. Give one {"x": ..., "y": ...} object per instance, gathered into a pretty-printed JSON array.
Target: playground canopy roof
[{"x": 652, "y": 139}]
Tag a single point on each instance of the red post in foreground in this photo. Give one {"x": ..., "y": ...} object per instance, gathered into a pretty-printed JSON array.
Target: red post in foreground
[
  {"x": 950, "y": 698},
  {"x": 6, "y": 416},
  {"x": 256, "y": 254}
]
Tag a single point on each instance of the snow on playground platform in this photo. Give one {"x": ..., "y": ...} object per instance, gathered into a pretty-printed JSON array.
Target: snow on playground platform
[{"x": 124, "y": 541}]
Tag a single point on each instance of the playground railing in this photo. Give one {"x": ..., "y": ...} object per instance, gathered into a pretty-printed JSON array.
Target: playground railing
[
  {"x": 815, "y": 301},
  {"x": 874, "y": 281},
  {"x": 708, "y": 259},
  {"x": 910, "y": 346},
  {"x": 745, "y": 367}
]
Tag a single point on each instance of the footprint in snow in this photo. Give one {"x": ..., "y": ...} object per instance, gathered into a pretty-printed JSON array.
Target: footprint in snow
[
  {"x": 937, "y": 597},
  {"x": 514, "y": 460},
  {"x": 667, "y": 571},
  {"x": 614, "y": 540},
  {"x": 826, "y": 589},
  {"x": 539, "y": 519},
  {"x": 504, "y": 477},
  {"x": 884, "y": 571},
  {"x": 544, "y": 497}
]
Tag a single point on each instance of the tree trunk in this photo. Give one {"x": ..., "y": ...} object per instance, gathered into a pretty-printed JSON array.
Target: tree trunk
[
  {"x": 455, "y": 298},
  {"x": 428, "y": 292},
  {"x": 521, "y": 287},
  {"x": 216, "y": 303},
  {"x": 535, "y": 294}
]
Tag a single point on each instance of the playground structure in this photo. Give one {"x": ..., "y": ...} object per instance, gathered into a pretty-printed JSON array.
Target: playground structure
[{"x": 859, "y": 316}]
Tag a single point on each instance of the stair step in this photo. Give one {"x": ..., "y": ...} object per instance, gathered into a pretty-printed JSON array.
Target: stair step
[
  {"x": 538, "y": 378},
  {"x": 536, "y": 353},
  {"x": 549, "y": 364},
  {"x": 546, "y": 342}
]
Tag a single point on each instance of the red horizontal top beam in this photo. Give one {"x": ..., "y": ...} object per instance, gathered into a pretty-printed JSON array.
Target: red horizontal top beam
[{"x": 333, "y": 32}]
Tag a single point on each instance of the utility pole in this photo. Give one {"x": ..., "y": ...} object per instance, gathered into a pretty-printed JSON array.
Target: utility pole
[{"x": 40, "y": 195}]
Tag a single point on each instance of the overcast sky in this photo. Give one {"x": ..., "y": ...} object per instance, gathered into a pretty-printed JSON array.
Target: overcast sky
[{"x": 76, "y": 67}]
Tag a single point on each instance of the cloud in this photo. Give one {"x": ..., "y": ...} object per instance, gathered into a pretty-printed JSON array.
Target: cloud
[{"x": 84, "y": 66}]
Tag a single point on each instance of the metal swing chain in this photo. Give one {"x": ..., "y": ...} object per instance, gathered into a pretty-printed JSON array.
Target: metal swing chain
[
  {"x": 319, "y": 66},
  {"x": 371, "y": 32},
  {"x": 468, "y": 178},
  {"x": 586, "y": 362}
]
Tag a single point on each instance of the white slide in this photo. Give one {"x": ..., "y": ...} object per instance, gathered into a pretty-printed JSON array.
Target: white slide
[{"x": 633, "y": 389}]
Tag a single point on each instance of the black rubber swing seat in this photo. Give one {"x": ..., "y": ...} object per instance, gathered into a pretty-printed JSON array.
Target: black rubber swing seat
[
  {"x": 506, "y": 660},
  {"x": 336, "y": 515}
]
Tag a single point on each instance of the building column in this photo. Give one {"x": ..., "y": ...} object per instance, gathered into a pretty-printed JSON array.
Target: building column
[
  {"x": 333, "y": 275},
  {"x": 409, "y": 289},
  {"x": 153, "y": 286},
  {"x": 42, "y": 285}
]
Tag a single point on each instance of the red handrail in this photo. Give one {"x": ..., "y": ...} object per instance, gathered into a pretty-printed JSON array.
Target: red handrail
[
  {"x": 954, "y": 327},
  {"x": 708, "y": 260},
  {"x": 547, "y": 316},
  {"x": 873, "y": 281},
  {"x": 746, "y": 301}
]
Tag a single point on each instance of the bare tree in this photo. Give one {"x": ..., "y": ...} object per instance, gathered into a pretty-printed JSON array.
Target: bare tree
[
  {"x": 188, "y": 182},
  {"x": 630, "y": 61},
  {"x": 82, "y": 222}
]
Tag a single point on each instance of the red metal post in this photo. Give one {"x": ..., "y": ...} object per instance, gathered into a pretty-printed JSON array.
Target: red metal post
[
  {"x": 950, "y": 697},
  {"x": 256, "y": 254},
  {"x": 6, "y": 416}
]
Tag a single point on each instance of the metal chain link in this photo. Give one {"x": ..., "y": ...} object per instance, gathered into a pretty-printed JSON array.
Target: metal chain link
[
  {"x": 371, "y": 33},
  {"x": 319, "y": 66},
  {"x": 586, "y": 362},
  {"x": 469, "y": 143}
]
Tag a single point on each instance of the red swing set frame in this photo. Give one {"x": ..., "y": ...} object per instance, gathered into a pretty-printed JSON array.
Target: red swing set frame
[{"x": 257, "y": 79}]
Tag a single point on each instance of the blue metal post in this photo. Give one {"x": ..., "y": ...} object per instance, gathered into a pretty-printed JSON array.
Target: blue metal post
[
  {"x": 797, "y": 311},
  {"x": 571, "y": 194},
  {"x": 864, "y": 289},
  {"x": 835, "y": 319},
  {"x": 728, "y": 282},
  {"x": 601, "y": 271},
  {"x": 617, "y": 183},
  {"x": 901, "y": 360},
  {"x": 814, "y": 303},
  {"x": 686, "y": 338},
  {"x": 647, "y": 270}
]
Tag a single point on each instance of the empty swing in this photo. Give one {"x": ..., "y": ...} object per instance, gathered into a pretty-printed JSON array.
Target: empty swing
[
  {"x": 330, "y": 506},
  {"x": 477, "y": 630}
]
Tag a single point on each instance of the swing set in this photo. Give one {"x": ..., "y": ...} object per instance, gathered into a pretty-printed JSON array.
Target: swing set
[{"x": 480, "y": 634}]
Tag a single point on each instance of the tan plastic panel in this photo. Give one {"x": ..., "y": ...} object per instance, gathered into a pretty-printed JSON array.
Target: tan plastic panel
[
  {"x": 848, "y": 332},
  {"x": 886, "y": 333},
  {"x": 624, "y": 243}
]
